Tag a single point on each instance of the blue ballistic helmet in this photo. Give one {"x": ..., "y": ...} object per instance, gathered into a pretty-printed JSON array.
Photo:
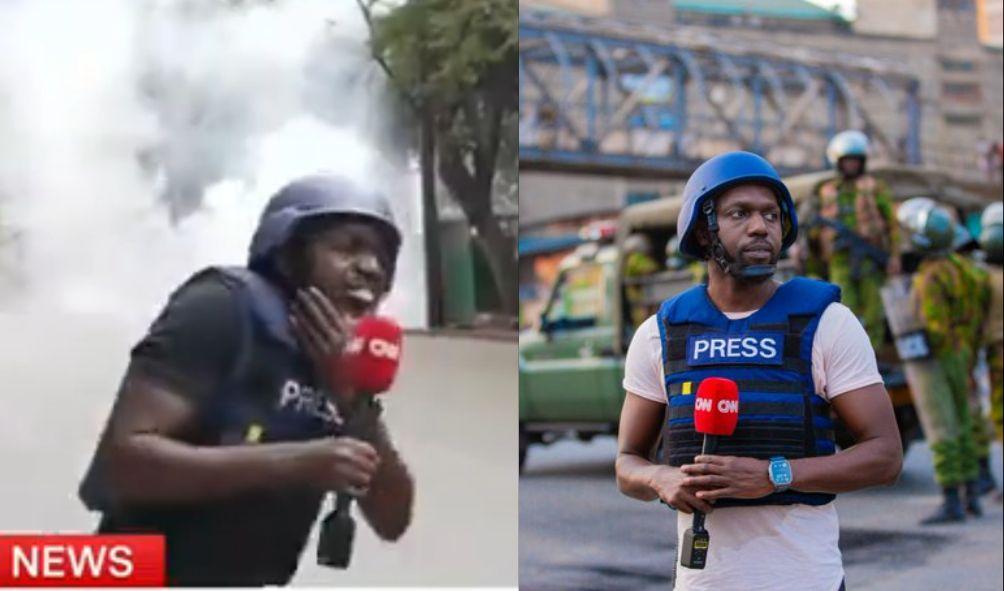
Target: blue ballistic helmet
[
  {"x": 315, "y": 196},
  {"x": 719, "y": 174}
]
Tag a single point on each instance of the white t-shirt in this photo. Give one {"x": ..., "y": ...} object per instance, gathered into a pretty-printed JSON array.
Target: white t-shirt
[{"x": 770, "y": 548}]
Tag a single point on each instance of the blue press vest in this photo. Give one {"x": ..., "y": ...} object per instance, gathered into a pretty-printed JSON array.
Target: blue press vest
[
  {"x": 769, "y": 355},
  {"x": 270, "y": 391},
  {"x": 270, "y": 365}
]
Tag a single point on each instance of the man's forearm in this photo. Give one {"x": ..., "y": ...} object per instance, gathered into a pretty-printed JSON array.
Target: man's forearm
[
  {"x": 634, "y": 476},
  {"x": 150, "y": 468},
  {"x": 872, "y": 462},
  {"x": 387, "y": 505}
]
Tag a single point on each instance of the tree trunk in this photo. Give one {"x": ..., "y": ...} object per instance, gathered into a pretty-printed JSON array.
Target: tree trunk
[
  {"x": 473, "y": 194},
  {"x": 498, "y": 250},
  {"x": 430, "y": 222}
]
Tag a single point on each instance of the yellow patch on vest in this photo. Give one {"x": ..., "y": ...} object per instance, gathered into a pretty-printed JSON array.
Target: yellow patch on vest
[{"x": 255, "y": 432}]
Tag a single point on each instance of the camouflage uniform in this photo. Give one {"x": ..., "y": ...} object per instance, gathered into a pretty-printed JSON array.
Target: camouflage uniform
[
  {"x": 992, "y": 242},
  {"x": 864, "y": 206},
  {"x": 952, "y": 297},
  {"x": 983, "y": 430},
  {"x": 638, "y": 264},
  {"x": 677, "y": 261}
]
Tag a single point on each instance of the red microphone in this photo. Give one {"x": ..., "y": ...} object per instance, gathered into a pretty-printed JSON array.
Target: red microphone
[
  {"x": 370, "y": 360},
  {"x": 368, "y": 366},
  {"x": 716, "y": 412}
]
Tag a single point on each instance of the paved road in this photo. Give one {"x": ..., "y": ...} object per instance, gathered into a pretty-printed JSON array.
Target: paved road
[
  {"x": 569, "y": 538},
  {"x": 453, "y": 414}
]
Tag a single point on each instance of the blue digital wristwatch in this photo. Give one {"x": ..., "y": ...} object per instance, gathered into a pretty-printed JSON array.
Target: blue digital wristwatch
[{"x": 779, "y": 472}]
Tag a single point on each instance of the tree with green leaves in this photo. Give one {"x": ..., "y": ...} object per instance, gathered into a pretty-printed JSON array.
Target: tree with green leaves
[{"x": 455, "y": 63}]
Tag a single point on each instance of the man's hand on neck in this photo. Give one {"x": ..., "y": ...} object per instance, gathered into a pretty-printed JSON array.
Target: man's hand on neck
[{"x": 733, "y": 294}]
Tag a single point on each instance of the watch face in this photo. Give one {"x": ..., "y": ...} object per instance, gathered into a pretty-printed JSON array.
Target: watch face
[{"x": 780, "y": 472}]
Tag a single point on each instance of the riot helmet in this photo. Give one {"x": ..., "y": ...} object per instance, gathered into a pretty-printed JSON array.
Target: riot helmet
[
  {"x": 848, "y": 144},
  {"x": 637, "y": 243},
  {"x": 992, "y": 232},
  {"x": 928, "y": 226},
  {"x": 675, "y": 260}
]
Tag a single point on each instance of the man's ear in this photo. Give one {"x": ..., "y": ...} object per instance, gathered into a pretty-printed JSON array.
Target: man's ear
[
  {"x": 702, "y": 236},
  {"x": 283, "y": 265},
  {"x": 292, "y": 262}
]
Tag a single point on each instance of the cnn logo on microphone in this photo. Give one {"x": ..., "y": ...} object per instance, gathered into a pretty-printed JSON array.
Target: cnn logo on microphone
[
  {"x": 724, "y": 406},
  {"x": 378, "y": 348}
]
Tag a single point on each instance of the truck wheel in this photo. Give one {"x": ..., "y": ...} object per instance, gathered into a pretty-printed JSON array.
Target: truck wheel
[{"x": 524, "y": 443}]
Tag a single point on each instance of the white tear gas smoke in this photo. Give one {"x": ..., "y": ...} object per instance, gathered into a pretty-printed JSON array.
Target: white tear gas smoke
[{"x": 140, "y": 139}]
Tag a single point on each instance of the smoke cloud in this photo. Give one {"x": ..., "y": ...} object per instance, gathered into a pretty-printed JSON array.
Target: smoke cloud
[{"x": 140, "y": 139}]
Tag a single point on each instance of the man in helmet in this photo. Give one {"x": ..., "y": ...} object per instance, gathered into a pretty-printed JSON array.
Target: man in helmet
[
  {"x": 227, "y": 430},
  {"x": 852, "y": 234},
  {"x": 949, "y": 296},
  {"x": 677, "y": 261},
  {"x": 795, "y": 352},
  {"x": 638, "y": 262},
  {"x": 638, "y": 255},
  {"x": 992, "y": 243}
]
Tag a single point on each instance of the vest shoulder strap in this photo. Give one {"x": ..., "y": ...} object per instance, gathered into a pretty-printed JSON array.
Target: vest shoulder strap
[
  {"x": 266, "y": 302},
  {"x": 803, "y": 296},
  {"x": 690, "y": 307}
]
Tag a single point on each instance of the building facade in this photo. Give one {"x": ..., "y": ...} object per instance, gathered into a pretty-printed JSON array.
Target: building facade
[{"x": 943, "y": 43}]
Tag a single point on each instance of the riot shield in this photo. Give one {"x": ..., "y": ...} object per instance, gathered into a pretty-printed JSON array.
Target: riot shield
[{"x": 928, "y": 385}]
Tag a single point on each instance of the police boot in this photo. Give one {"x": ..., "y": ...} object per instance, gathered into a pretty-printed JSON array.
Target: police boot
[
  {"x": 985, "y": 482},
  {"x": 950, "y": 510},
  {"x": 973, "y": 499}
]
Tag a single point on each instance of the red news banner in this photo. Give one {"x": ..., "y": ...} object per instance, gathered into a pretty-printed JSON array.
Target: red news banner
[{"x": 81, "y": 561}]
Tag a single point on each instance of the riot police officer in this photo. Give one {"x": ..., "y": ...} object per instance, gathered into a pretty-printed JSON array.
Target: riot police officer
[
  {"x": 992, "y": 244},
  {"x": 852, "y": 233},
  {"x": 677, "y": 261},
  {"x": 226, "y": 433},
  {"x": 950, "y": 297},
  {"x": 638, "y": 262}
]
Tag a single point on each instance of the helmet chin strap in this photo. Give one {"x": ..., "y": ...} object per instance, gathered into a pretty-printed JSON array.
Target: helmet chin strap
[{"x": 722, "y": 257}]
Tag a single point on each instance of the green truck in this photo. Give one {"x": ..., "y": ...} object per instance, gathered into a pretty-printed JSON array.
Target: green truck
[{"x": 572, "y": 363}]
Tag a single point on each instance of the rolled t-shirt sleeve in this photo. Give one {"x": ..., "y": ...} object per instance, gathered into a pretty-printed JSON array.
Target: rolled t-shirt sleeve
[
  {"x": 842, "y": 355},
  {"x": 643, "y": 363},
  {"x": 192, "y": 345}
]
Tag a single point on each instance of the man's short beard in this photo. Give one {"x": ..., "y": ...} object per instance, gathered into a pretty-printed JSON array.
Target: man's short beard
[
  {"x": 774, "y": 257},
  {"x": 738, "y": 264}
]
